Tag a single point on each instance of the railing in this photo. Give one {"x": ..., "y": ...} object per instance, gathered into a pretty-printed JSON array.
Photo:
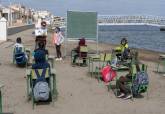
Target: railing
[{"x": 131, "y": 19}]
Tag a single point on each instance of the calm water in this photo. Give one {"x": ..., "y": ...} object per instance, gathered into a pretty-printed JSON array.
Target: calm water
[{"x": 151, "y": 40}]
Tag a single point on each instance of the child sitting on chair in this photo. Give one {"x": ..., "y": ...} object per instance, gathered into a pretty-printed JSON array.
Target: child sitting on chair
[
  {"x": 123, "y": 50},
  {"x": 40, "y": 60},
  {"x": 40, "y": 63},
  {"x": 82, "y": 42},
  {"x": 41, "y": 46},
  {"x": 18, "y": 42},
  {"x": 124, "y": 90},
  {"x": 19, "y": 48}
]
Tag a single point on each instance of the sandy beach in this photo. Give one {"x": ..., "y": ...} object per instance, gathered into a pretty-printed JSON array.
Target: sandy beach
[{"x": 78, "y": 92}]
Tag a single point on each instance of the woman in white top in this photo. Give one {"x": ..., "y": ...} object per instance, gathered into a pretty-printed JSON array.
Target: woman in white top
[
  {"x": 58, "y": 40},
  {"x": 41, "y": 30}
]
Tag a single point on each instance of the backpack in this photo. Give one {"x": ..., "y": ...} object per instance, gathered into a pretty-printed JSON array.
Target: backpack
[
  {"x": 20, "y": 56},
  {"x": 140, "y": 84},
  {"x": 41, "y": 87},
  {"x": 108, "y": 74}
]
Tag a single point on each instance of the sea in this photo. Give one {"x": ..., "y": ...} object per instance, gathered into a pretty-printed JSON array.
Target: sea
[{"x": 138, "y": 36}]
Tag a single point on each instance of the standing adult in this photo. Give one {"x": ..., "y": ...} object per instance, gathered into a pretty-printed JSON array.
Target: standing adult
[
  {"x": 44, "y": 28},
  {"x": 41, "y": 34},
  {"x": 58, "y": 39}
]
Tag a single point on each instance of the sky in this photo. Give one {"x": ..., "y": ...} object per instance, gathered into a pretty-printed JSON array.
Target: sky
[{"x": 103, "y": 7}]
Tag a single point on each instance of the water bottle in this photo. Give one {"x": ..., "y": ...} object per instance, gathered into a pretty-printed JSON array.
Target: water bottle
[{"x": 114, "y": 62}]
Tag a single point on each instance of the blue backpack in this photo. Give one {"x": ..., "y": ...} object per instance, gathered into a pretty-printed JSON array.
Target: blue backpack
[
  {"x": 20, "y": 56},
  {"x": 140, "y": 84}
]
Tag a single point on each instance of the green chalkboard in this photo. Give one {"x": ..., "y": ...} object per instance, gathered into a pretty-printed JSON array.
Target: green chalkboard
[{"x": 81, "y": 24}]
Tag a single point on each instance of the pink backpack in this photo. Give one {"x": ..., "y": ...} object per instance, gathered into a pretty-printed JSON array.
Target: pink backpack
[{"x": 108, "y": 74}]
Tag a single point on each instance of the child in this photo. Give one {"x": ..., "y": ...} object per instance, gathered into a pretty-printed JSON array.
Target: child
[
  {"x": 40, "y": 60},
  {"x": 123, "y": 50},
  {"x": 41, "y": 46},
  {"x": 20, "y": 55},
  {"x": 82, "y": 42},
  {"x": 125, "y": 91},
  {"x": 58, "y": 40},
  {"x": 19, "y": 43}
]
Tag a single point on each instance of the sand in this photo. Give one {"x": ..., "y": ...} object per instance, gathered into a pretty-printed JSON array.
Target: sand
[{"x": 78, "y": 92}]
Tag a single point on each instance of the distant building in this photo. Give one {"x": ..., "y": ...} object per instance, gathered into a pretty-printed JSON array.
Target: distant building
[
  {"x": 58, "y": 21},
  {"x": 42, "y": 16},
  {"x": 11, "y": 13}
]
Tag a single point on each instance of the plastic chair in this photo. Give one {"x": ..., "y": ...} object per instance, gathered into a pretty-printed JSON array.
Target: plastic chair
[
  {"x": 141, "y": 88},
  {"x": 161, "y": 61},
  {"x": 105, "y": 58},
  {"x": 82, "y": 55},
  {"x": 22, "y": 58},
  {"x": 50, "y": 75},
  {"x": 1, "y": 86}
]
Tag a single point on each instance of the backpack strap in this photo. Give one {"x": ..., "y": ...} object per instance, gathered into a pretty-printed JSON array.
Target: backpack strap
[
  {"x": 18, "y": 49},
  {"x": 42, "y": 76}
]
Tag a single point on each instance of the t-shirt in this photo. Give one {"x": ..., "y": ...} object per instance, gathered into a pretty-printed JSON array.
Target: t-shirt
[
  {"x": 41, "y": 32},
  {"x": 18, "y": 45},
  {"x": 58, "y": 38}
]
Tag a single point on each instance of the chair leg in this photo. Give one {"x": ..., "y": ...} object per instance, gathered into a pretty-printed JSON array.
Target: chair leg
[
  {"x": 157, "y": 67},
  {"x": 92, "y": 70},
  {"x": 131, "y": 93},
  {"x": 32, "y": 95},
  {"x": 27, "y": 81},
  {"x": 55, "y": 93},
  {"x": 51, "y": 89},
  {"x": 98, "y": 76},
  {"x": 163, "y": 66},
  {"x": 109, "y": 86},
  {"x": 0, "y": 102},
  {"x": 89, "y": 65},
  {"x": 32, "y": 99},
  {"x": 147, "y": 95}
]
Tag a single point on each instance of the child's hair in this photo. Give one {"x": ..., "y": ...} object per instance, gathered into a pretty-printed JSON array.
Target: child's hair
[
  {"x": 124, "y": 40},
  {"x": 18, "y": 40},
  {"x": 82, "y": 41},
  {"x": 41, "y": 45}
]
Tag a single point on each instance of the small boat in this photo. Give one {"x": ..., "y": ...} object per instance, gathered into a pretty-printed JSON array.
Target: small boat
[{"x": 162, "y": 29}]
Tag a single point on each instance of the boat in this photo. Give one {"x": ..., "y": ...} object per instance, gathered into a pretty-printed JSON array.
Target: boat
[{"x": 162, "y": 29}]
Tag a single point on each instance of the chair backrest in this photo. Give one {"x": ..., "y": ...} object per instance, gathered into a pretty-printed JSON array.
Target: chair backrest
[
  {"x": 134, "y": 56},
  {"x": 105, "y": 57},
  {"x": 133, "y": 70},
  {"x": 83, "y": 49},
  {"x": 143, "y": 68},
  {"x": 40, "y": 71}
]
